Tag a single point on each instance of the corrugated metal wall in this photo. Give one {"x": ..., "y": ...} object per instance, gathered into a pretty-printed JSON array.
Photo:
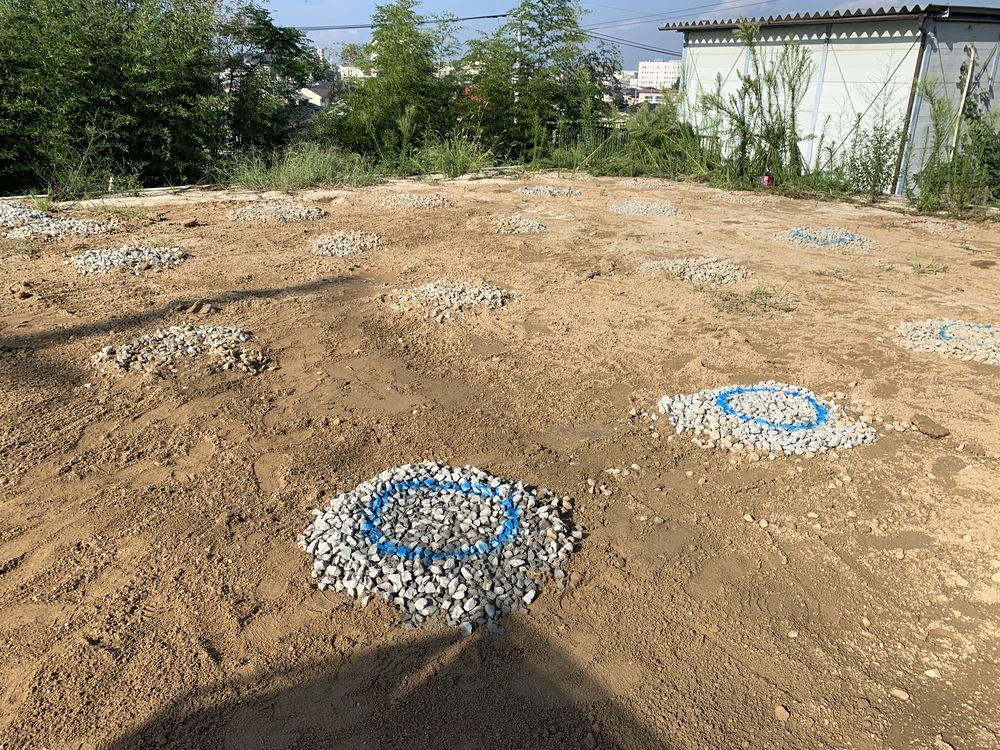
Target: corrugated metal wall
[
  {"x": 860, "y": 68},
  {"x": 947, "y": 51}
]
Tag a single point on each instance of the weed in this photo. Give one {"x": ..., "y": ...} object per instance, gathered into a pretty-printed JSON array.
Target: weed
[
  {"x": 163, "y": 242},
  {"x": 837, "y": 273},
  {"x": 301, "y": 166},
  {"x": 128, "y": 212},
  {"x": 934, "y": 267},
  {"x": 45, "y": 203},
  {"x": 760, "y": 299},
  {"x": 27, "y": 249},
  {"x": 458, "y": 154}
]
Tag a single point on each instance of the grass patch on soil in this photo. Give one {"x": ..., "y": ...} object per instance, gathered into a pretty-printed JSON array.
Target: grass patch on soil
[
  {"x": 760, "y": 299},
  {"x": 26, "y": 249},
  {"x": 935, "y": 266},
  {"x": 302, "y": 166}
]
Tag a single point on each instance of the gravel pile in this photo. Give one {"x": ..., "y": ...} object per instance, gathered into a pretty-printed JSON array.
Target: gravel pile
[
  {"x": 514, "y": 224},
  {"x": 157, "y": 351},
  {"x": 12, "y": 214},
  {"x": 644, "y": 208},
  {"x": 138, "y": 259},
  {"x": 772, "y": 417},
  {"x": 937, "y": 227},
  {"x": 699, "y": 270},
  {"x": 746, "y": 199},
  {"x": 971, "y": 342},
  {"x": 277, "y": 211},
  {"x": 545, "y": 190},
  {"x": 404, "y": 200},
  {"x": 828, "y": 237},
  {"x": 346, "y": 243},
  {"x": 444, "y": 299},
  {"x": 644, "y": 183},
  {"x": 443, "y": 544}
]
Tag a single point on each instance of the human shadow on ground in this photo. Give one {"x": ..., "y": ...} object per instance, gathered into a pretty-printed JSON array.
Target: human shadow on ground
[
  {"x": 123, "y": 323},
  {"x": 435, "y": 691}
]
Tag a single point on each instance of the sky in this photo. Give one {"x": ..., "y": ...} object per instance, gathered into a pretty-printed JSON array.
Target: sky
[{"x": 634, "y": 21}]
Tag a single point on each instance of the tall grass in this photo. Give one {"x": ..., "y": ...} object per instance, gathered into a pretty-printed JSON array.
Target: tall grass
[
  {"x": 300, "y": 166},
  {"x": 459, "y": 153}
]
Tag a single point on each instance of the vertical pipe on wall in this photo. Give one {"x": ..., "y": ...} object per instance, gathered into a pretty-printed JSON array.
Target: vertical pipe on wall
[
  {"x": 819, "y": 92},
  {"x": 910, "y": 128},
  {"x": 971, "y": 49}
]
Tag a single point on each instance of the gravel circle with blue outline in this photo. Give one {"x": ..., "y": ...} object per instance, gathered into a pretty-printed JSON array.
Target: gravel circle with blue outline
[
  {"x": 828, "y": 238},
  {"x": 778, "y": 418},
  {"x": 971, "y": 342},
  {"x": 446, "y": 545}
]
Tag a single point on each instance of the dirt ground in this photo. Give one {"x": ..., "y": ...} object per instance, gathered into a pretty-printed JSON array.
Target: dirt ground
[{"x": 152, "y": 594}]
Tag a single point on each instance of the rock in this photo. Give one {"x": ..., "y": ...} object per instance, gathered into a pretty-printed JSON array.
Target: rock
[
  {"x": 928, "y": 426},
  {"x": 899, "y": 693},
  {"x": 589, "y": 740},
  {"x": 934, "y": 673},
  {"x": 781, "y": 713},
  {"x": 191, "y": 224}
]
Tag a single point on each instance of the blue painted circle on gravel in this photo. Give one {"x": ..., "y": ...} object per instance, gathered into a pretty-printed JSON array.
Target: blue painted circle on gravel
[
  {"x": 386, "y": 547},
  {"x": 844, "y": 238},
  {"x": 945, "y": 336},
  {"x": 723, "y": 398}
]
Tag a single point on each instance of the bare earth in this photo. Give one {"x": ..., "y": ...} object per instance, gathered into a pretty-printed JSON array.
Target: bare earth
[{"x": 152, "y": 593}]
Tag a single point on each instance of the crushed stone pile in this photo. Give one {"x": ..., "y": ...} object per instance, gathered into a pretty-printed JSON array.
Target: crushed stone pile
[
  {"x": 937, "y": 227},
  {"x": 828, "y": 237},
  {"x": 645, "y": 183},
  {"x": 277, "y": 211},
  {"x": 775, "y": 418},
  {"x": 745, "y": 198},
  {"x": 443, "y": 299},
  {"x": 12, "y": 214},
  {"x": 971, "y": 342},
  {"x": 30, "y": 222},
  {"x": 346, "y": 243},
  {"x": 514, "y": 224},
  {"x": 157, "y": 351},
  {"x": 644, "y": 208},
  {"x": 546, "y": 190},
  {"x": 711, "y": 271},
  {"x": 444, "y": 545},
  {"x": 405, "y": 200},
  {"x": 136, "y": 259}
]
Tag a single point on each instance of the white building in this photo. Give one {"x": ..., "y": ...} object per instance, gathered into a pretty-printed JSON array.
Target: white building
[
  {"x": 867, "y": 62},
  {"x": 659, "y": 74}
]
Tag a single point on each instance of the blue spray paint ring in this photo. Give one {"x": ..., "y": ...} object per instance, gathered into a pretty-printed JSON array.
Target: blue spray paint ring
[
  {"x": 843, "y": 239},
  {"x": 945, "y": 336},
  {"x": 723, "y": 397},
  {"x": 371, "y": 526}
]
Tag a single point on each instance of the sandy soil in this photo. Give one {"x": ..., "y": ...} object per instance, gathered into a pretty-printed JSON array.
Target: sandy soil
[{"x": 152, "y": 594}]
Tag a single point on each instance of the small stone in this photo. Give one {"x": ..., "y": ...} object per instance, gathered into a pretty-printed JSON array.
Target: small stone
[
  {"x": 935, "y": 673},
  {"x": 899, "y": 693},
  {"x": 781, "y": 713},
  {"x": 590, "y": 741},
  {"x": 929, "y": 427}
]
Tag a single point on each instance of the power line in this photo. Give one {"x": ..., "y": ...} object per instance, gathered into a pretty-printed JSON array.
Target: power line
[
  {"x": 369, "y": 25},
  {"x": 636, "y": 45},
  {"x": 634, "y": 20}
]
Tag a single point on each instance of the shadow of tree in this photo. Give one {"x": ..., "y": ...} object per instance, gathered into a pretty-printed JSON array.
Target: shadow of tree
[{"x": 432, "y": 691}]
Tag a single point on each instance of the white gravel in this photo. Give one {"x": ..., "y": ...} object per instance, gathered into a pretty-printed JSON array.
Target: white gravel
[
  {"x": 444, "y": 299},
  {"x": 157, "y": 351},
  {"x": 546, "y": 190},
  {"x": 645, "y": 183},
  {"x": 771, "y": 417},
  {"x": 971, "y": 342},
  {"x": 935, "y": 227},
  {"x": 277, "y": 211},
  {"x": 136, "y": 259},
  {"x": 30, "y": 222},
  {"x": 710, "y": 271},
  {"x": 514, "y": 224},
  {"x": 346, "y": 243},
  {"x": 644, "y": 208},
  {"x": 744, "y": 198},
  {"x": 444, "y": 545},
  {"x": 405, "y": 200},
  {"x": 828, "y": 238}
]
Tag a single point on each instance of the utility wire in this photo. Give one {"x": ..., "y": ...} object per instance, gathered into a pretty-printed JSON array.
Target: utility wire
[
  {"x": 669, "y": 16},
  {"x": 626, "y": 43},
  {"x": 424, "y": 22}
]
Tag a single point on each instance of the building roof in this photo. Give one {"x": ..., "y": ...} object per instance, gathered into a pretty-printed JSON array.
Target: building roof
[{"x": 844, "y": 16}]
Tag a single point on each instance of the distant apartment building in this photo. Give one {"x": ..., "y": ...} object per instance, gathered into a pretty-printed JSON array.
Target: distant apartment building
[
  {"x": 650, "y": 95},
  {"x": 659, "y": 74}
]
